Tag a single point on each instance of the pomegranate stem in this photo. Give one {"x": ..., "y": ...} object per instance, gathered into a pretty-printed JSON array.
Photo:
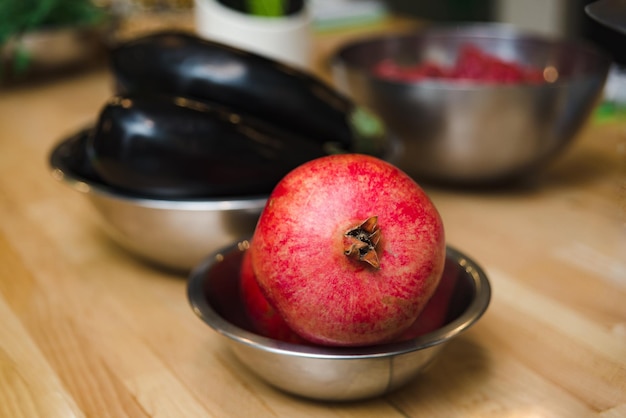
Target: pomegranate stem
[{"x": 361, "y": 242}]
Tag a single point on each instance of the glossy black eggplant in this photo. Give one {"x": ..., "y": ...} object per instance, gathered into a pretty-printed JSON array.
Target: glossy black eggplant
[
  {"x": 71, "y": 157},
  {"x": 183, "y": 64},
  {"x": 178, "y": 148}
]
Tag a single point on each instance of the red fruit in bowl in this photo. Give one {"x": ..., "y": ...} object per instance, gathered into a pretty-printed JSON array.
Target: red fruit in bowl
[
  {"x": 436, "y": 312},
  {"x": 263, "y": 316},
  {"x": 348, "y": 250}
]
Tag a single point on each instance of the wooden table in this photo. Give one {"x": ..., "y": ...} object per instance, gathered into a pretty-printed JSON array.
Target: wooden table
[{"x": 88, "y": 330}]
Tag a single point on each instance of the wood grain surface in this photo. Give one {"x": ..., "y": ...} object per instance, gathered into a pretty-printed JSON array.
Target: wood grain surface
[{"x": 87, "y": 330}]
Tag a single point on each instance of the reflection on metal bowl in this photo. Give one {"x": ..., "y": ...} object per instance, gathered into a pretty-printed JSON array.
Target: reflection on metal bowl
[
  {"x": 327, "y": 373},
  {"x": 175, "y": 233},
  {"x": 475, "y": 133}
]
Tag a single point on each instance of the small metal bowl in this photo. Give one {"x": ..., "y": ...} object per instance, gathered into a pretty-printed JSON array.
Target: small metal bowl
[
  {"x": 175, "y": 234},
  {"x": 327, "y": 373},
  {"x": 467, "y": 133}
]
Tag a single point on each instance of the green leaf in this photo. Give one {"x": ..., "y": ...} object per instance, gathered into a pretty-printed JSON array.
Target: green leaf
[
  {"x": 20, "y": 61},
  {"x": 18, "y": 17}
]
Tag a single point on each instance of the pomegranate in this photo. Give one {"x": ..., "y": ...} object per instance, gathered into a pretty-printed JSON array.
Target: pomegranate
[
  {"x": 348, "y": 250},
  {"x": 266, "y": 321},
  {"x": 436, "y": 311},
  {"x": 264, "y": 318}
]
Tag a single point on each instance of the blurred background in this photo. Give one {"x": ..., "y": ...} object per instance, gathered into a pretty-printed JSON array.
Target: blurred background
[
  {"x": 29, "y": 45},
  {"x": 561, "y": 18}
]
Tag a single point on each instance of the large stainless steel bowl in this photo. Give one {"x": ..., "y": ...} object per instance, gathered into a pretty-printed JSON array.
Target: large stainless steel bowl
[
  {"x": 468, "y": 133},
  {"x": 325, "y": 373},
  {"x": 175, "y": 234}
]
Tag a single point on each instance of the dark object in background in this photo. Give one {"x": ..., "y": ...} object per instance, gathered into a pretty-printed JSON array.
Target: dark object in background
[
  {"x": 609, "y": 13},
  {"x": 606, "y": 38},
  {"x": 445, "y": 10}
]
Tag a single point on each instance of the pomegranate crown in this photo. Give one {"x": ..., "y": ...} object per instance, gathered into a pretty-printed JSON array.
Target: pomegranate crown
[{"x": 362, "y": 240}]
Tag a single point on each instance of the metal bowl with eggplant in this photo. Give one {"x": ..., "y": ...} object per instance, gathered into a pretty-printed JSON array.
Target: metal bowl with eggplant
[{"x": 197, "y": 130}]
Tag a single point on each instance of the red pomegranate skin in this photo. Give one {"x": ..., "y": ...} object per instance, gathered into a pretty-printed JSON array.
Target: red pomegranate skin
[
  {"x": 435, "y": 313},
  {"x": 268, "y": 322},
  {"x": 299, "y": 244},
  {"x": 264, "y": 318}
]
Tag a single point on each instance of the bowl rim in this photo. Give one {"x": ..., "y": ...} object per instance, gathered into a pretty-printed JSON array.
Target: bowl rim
[
  {"x": 202, "y": 308},
  {"x": 61, "y": 171},
  {"x": 468, "y": 30}
]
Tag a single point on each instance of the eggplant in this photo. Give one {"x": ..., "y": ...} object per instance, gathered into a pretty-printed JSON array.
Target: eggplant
[
  {"x": 171, "y": 147},
  {"x": 182, "y": 64},
  {"x": 71, "y": 157}
]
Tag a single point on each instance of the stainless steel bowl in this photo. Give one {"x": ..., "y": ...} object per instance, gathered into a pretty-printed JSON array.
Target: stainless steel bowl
[
  {"x": 325, "y": 373},
  {"x": 465, "y": 133},
  {"x": 175, "y": 234}
]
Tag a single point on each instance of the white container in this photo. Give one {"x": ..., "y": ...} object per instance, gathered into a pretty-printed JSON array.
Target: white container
[{"x": 286, "y": 39}]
